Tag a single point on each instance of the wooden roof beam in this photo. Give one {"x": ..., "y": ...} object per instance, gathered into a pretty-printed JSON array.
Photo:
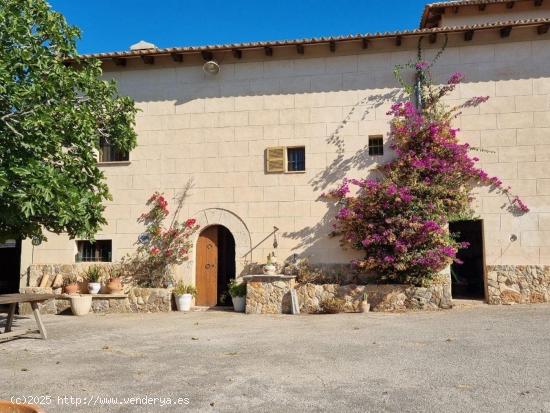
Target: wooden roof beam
[
  {"x": 468, "y": 35},
  {"x": 237, "y": 54},
  {"x": 332, "y": 46},
  {"x": 119, "y": 61},
  {"x": 300, "y": 48},
  {"x": 177, "y": 57},
  {"x": 543, "y": 28},
  {"x": 365, "y": 43},
  {"x": 398, "y": 41},
  {"x": 433, "y": 38},
  {"x": 207, "y": 55},
  {"x": 148, "y": 60},
  {"x": 510, "y": 4},
  {"x": 482, "y": 7},
  {"x": 538, "y": 3},
  {"x": 268, "y": 51},
  {"x": 505, "y": 31}
]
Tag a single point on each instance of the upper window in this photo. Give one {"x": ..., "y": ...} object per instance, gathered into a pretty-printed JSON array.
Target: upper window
[
  {"x": 108, "y": 153},
  {"x": 296, "y": 159},
  {"x": 376, "y": 145},
  {"x": 98, "y": 251},
  {"x": 282, "y": 159}
]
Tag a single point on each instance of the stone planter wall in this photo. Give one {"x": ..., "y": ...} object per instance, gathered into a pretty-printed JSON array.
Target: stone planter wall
[
  {"x": 310, "y": 296},
  {"x": 138, "y": 300},
  {"x": 395, "y": 297},
  {"x": 37, "y": 271},
  {"x": 381, "y": 297},
  {"x": 150, "y": 300},
  {"x": 522, "y": 284}
]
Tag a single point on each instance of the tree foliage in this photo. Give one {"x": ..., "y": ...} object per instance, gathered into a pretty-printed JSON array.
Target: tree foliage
[{"x": 54, "y": 109}]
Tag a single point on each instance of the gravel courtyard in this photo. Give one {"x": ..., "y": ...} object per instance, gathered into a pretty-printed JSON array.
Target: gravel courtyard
[{"x": 471, "y": 359}]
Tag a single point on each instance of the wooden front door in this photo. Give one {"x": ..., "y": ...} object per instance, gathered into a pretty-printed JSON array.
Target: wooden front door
[{"x": 207, "y": 267}]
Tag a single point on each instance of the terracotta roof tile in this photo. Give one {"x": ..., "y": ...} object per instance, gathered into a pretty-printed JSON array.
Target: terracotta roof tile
[
  {"x": 316, "y": 40},
  {"x": 457, "y": 3}
]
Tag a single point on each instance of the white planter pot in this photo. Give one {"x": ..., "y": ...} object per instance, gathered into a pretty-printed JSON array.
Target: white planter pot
[
  {"x": 239, "y": 304},
  {"x": 81, "y": 304},
  {"x": 93, "y": 288},
  {"x": 183, "y": 302},
  {"x": 270, "y": 269}
]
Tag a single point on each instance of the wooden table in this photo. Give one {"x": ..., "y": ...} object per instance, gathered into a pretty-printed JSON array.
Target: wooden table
[{"x": 12, "y": 300}]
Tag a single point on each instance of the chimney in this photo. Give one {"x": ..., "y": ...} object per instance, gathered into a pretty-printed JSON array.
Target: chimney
[{"x": 142, "y": 45}]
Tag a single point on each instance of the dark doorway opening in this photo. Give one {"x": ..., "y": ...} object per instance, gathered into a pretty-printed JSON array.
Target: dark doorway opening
[
  {"x": 215, "y": 266},
  {"x": 10, "y": 257},
  {"x": 468, "y": 277}
]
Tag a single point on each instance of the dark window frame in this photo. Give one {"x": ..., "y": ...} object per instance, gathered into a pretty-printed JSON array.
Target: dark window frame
[
  {"x": 108, "y": 153},
  {"x": 376, "y": 145},
  {"x": 295, "y": 159},
  {"x": 97, "y": 251}
]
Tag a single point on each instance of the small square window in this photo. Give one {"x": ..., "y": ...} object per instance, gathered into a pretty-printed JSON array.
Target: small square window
[
  {"x": 108, "y": 153},
  {"x": 376, "y": 145},
  {"x": 98, "y": 251},
  {"x": 296, "y": 159}
]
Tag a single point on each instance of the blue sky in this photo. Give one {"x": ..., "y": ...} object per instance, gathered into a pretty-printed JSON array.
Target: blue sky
[{"x": 113, "y": 25}]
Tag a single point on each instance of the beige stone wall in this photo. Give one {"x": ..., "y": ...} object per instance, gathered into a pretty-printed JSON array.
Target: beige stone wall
[
  {"x": 212, "y": 132},
  {"x": 494, "y": 13}
]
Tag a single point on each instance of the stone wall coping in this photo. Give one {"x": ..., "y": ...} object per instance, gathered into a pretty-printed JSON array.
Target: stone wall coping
[
  {"x": 266, "y": 277},
  {"x": 94, "y": 296}
]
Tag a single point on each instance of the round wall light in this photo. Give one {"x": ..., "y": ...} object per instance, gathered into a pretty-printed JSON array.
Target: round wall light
[{"x": 211, "y": 67}]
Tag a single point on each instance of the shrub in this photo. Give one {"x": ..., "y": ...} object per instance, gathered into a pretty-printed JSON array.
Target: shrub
[
  {"x": 237, "y": 289},
  {"x": 400, "y": 221},
  {"x": 164, "y": 248},
  {"x": 93, "y": 274},
  {"x": 182, "y": 288}
]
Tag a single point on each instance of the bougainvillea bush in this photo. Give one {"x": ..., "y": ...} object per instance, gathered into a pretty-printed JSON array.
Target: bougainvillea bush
[
  {"x": 162, "y": 247},
  {"x": 400, "y": 221}
]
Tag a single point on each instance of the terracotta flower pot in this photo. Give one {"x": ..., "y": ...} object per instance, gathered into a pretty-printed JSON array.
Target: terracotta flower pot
[
  {"x": 115, "y": 286},
  {"x": 6, "y": 406},
  {"x": 72, "y": 288}
]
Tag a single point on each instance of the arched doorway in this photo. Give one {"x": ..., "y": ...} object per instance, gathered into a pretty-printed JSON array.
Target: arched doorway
[{"x": 215, "y": 265}]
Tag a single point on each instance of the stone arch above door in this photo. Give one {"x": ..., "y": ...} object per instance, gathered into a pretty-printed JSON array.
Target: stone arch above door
[{"x": 239, "y": 230}]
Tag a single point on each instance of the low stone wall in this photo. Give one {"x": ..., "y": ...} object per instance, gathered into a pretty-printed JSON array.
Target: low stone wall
[
  {"x": 381, "y": 297},
  {"x": 311, "y": 296},
  {"x": 522, "y": 284},
  {"x": 396, "y": 297},
  {"x": 138, "y": 300},
  {"x": 150, "y": 300},
  {"x": 37, "y": 271},
  {"x": 268, "y": 294}
]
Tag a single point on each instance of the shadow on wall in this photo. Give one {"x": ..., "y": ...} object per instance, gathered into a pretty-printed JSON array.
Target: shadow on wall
[{"x": 313, "y": 241}]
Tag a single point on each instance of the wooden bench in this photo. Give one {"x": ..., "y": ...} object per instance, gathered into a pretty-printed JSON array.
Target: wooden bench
[{"x": 12, "y": 300}]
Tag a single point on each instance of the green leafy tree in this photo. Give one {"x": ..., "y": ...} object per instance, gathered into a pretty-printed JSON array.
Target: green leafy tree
[{"x": 54, "y": 109}]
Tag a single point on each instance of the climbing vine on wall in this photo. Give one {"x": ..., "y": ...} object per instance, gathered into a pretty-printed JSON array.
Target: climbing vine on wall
[{"x": 400, "y": 221}]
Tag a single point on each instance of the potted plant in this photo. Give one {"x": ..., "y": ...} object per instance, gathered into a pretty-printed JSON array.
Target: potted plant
[
  {"x": 270, "y": 268},
  {"x": 93, "y": 275},
  {"x": 237, "y": 291},
  {"x": 115, "y": 280},
  {"x": 184, "y": 295},
  {"x": 70, "y": 284}
]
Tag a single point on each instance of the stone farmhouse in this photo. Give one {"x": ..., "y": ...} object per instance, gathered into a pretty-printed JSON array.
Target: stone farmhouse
[{"x": 255, "y": 136}]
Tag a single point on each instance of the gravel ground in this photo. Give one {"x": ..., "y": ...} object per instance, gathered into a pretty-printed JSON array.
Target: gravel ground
[{"x": 485, "y": 358}]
